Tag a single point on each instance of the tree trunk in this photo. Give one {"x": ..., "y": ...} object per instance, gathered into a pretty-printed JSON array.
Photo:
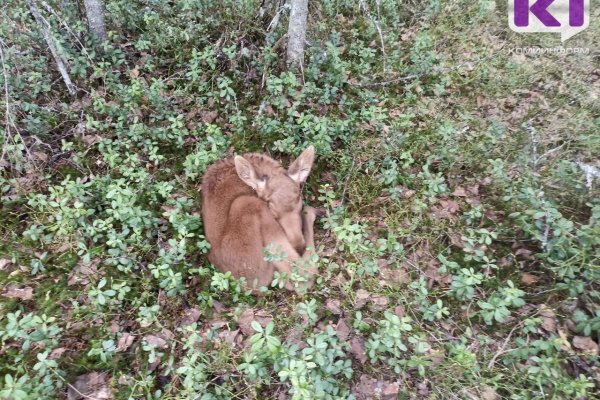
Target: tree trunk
[
  {"x": 297, "y": 33},
  {"x": 94, "y": 10}
]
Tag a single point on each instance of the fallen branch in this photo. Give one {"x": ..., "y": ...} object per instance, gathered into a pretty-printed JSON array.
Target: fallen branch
[
  {"x": 51, "y": 10},
  {"x": 45, "y": 29},
  {"x": 364, "y": 6},
  {"x": 435, "y": 71},
  {"x": 535, "y": 159},
  {"x": 591, "y": 173},
  {"x": 275, "y": 21},
  {"x": 9, "y": 136},
  {"x": 501, "y": 350}
]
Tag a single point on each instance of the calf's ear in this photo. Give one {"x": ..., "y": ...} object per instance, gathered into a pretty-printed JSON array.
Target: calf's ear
[
  {"x": 300, "y": 168},
  {"x": 246, "y": 172}
]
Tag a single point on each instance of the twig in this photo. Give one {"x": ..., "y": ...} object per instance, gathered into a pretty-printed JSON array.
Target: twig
[
  {"x": 535, "y": 160},
  {"x": 551, "y": 151},
  {"x": 44, "y": 28},
  {"x": 6, "y": 101},
  {"x": 501, "y": 350},
  {"x": 49, "y": 8},
  {"x": 71, "y": 386},
  {"x": 435, "y": 71},
  {"x": 590, "y": 172},
  {"x": 346, "y": 182},
  {"x": 10, "y": 137},
  {"x": 283, "y": 5},
  {"x": 363, "y": 5}
]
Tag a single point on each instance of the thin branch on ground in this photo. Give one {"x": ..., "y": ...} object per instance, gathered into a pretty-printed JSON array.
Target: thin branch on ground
[
  {"x": 7, "y": 132},
  {"x": 51, "y": 10},
  {"x": 45, "y": 29},
  {"x": 283, "y": 5},
  {"x": 435, "y": 71},
  {"x": 535, "y": 159},
  {"x": 363, "y": 5},
  {"x": 9, "y": 136},
  {"x": 504, "y": 344}
]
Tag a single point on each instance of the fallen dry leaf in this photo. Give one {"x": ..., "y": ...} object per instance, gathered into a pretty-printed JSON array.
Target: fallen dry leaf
[
  {"x": 586, "y": 344},
  {"x": 548, "y": 319},
  {"x": 399, "y": 310},
  {"x": 333, "y": 305},
  {"x": 208, "y": 116},
  {"x": 368, "y": 388},
  {"x": 391, "y": 391},
  {"x": 82, "y": 272},
  {"x": 4, "y": 262},
  {"x": 395, "y": 275},
  {"x": 362, "y": 296},
  {"x": 249, "y": 315},
  {"x": 423, "y": 389},
  {"x": 357, "y": 348},
  {"x": 526, "y": 254},
  {"x": 156, "y": 341},
  {"x": 56, "y": 353},
  {"x": 218, "y": 306},
  {"x": 125, "y": 341},
  {"x": 40, "y": 155},
  {"x": 378, "y": 302},
  {"x": 90, "y": 386},
  {"x": 450, "y": 205},
  {"x": 407, "y": 193},
  {"x": 434, "y": 276},
  {"x": 342, "y": 330},
  {"x": 11, "y": 291},
  {"x": 90, "y": 140},
  {"x": 190, "y": 316},
  {"x": 456, "y": 239},
  {"x": 233, "y": 338},
  {"x": 488, "y": 393},
  {"x": 460, "y": 192},
  {"x": 529, "y": 279},
  {"x": 505, "y": 261},
  {"x": 473, "y": 190}
]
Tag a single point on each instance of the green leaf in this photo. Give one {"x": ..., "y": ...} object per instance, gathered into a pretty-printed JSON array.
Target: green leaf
[{"x": 256, "y": 326}]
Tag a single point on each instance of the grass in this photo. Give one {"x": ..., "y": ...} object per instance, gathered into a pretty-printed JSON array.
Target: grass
[{"x": 459, "y": 249}]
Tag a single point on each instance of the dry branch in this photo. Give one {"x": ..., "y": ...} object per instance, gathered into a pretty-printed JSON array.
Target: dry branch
[{"x": 45, "y": 29}]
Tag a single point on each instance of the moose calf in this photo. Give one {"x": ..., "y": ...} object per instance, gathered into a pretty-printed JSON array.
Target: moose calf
[{"x": 250, "y": 202}]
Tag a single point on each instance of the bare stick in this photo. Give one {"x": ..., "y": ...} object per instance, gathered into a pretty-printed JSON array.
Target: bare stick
[
  {"x": 45, "y": 29},
  {"x": 435, "y": 71},
  {"x": 51, "y": 10},
  {"x": 541, "y": 195},
  {"x": 375, "y": 21},
  {"x": 9, "y": 136},
  {"x": 275, "y": 21},
  {"x": 501, "y": 350}
]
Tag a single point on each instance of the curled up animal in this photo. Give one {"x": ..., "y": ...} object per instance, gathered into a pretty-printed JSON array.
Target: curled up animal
[{"x": 251, "y": 203}]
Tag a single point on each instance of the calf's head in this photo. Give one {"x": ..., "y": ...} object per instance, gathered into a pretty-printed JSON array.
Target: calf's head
[{"x": 281, "y": 191}]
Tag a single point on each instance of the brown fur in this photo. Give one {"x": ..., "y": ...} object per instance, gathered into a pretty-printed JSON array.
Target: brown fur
[{"x": 250, "y": 202}]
